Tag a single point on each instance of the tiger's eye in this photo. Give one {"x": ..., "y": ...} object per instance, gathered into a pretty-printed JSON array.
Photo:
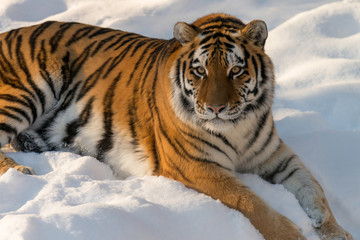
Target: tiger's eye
[
  {"x": 235, "y": 70},
  {"x": 200, "y": 70}
]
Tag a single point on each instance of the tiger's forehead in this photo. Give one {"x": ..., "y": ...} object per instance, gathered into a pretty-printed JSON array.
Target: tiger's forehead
[
  {"x": 219, "y": 48},
  {"x": 219, "y": 21}
]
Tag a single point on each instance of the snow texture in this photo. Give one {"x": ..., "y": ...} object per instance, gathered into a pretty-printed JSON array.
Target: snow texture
[{"x": 316, "y": 51}]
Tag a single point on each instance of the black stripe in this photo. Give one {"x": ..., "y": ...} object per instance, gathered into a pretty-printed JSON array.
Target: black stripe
[
  {"x": 224, "y": 140},
  {"x": 10, "y": 38},
  {"x": 67, "y": 102},
  {"x": 261, "y": 123},
  {"x": 253, "y": 61},
  {"x": 260, "y": 101},
  {"x": 24, "y": 68},
  {"x": 79, "y": 62},
  {"x": 221, "y": 21},
  {"x": 102, "y": 43},
  {"x": 228, "y": 46},
  {"x": 156, "y": 156},
  {"x": 9, "y": 115},
  {"x": 246, "y": 53},
  {"x": 32, "y": 107},
  {"x": 8, "y": 129},
  {"x": 191, "y": 54},
  {"x": 177, "y": 73},
  {"x": 66, "y": 75},
  {"x": 8, "y": 74},
  {"x": 289, "y": 175},
  {"x": 186, "y": 104},
  {"x": 28, "y": 104},
  {"x": 192, "y": 157},
  {"x": 79, "y": 34},
  {"x": 205, "y": 47},
  {"x": 177, "y": 169},
  {"x": 106, "y": 143},
  {"x": 58, "y": 36},
  {"x": 133, "y": 118},
  {"x": 178, "y": 147},
  {"x": 132, "y": 108},
  {"x": 35, "y": 35},
  {"x": 281, "y": 167},
  {"x": 42, "y": 61},
  {"x": 73, "y": 128},
  {"x": 213, "y": 146},
  {"x": 101, "y": 31},
  {"x": 138, "y": 46},
  {"x": 193, "y": 142},
  {"x": 91, "y": 81},
  {"x": 230, "y": 39},
  {"x": 21, "y": 112},
  {"x": 12, "y": 98},
  {"x": 148, "y": 67},
  {"x": 263, "y": 70},
  {"x": 152, "y": 44},
  {"x": 206, "y": 39},
  {"x": 183, "y": 72},
  {"x": 124, "y": 35},
  {"x": 267, "y": 141},
  {"x": 119, "y": 58},
  {"x": 131, "y": 39}
]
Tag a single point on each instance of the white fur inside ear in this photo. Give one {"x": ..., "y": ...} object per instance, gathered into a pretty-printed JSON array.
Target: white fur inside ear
[
  {"x": 257, "y": 32},
  {"x": 184, "y": 33},
  {"x": 261, "y": 28}
]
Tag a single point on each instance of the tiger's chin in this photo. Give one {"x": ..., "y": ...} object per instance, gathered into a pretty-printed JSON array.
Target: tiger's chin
[{"x": 219, "y": 124}]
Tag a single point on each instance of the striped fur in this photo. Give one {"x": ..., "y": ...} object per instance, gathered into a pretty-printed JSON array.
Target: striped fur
[{"x": 196, "y": 108}]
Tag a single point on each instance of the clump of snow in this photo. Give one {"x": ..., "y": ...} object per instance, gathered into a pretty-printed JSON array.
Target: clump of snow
[{"x": 316, "y": 55}]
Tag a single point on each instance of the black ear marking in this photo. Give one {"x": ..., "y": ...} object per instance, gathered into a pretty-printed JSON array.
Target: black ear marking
[
  {"x": 184, "y": 32},
  {"x": 256, "y": 31}
]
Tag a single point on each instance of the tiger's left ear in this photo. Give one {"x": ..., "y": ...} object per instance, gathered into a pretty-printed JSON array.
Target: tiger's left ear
[
  {"x": 184, "y": 32},
  {"x": 256, "y": 31}
]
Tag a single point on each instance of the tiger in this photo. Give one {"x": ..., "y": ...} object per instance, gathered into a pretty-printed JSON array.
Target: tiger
[{"x": 195, "y": 108}]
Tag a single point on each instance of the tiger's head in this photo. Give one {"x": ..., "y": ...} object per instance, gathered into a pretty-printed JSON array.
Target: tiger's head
[{"x": 222, "y": 75}]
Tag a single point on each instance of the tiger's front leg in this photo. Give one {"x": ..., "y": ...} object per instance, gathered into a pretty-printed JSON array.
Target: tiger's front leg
[
  {"x": 221, "y": 184},
  {"x": 287, "y": 169}
]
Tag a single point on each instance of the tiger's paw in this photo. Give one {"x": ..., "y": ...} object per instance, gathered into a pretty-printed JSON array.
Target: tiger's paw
[
  {"x": 25, "y": 170},
  {"x": 332, "y": 231},
  {"x": 29, "y": 141},
  {"x": 281, "y": 228}
]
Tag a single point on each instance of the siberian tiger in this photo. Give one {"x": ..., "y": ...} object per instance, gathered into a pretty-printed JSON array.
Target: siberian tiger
[{"x": 195, "y": 108}]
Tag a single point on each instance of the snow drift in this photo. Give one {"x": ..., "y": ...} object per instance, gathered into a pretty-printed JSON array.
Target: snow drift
[{"x": 317, "y": 59}]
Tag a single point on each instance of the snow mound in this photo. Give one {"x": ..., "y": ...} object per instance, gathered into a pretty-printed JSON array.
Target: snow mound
[{"x": 316, "y": 55}]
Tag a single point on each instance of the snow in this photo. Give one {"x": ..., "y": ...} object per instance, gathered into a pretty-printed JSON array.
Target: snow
[{"x": 316, "y": 51}]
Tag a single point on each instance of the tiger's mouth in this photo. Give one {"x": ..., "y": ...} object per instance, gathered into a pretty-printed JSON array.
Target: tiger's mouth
[{"x": 222, "y": 118}]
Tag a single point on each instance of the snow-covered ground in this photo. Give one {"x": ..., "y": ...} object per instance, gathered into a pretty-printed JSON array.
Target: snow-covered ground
[{"x": 315, "y": 46}]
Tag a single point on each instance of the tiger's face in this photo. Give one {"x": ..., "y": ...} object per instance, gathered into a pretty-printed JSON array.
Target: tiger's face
[{"x": 222, "y": 73}]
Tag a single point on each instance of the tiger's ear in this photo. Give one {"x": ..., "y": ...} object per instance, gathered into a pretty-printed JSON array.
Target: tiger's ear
[
  {"x": 257, "y": 32},
  {"x": 184, "y": 32}
]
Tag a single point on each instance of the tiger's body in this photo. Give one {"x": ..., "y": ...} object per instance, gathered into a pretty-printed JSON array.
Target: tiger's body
[{"x": 196, "y": 108}]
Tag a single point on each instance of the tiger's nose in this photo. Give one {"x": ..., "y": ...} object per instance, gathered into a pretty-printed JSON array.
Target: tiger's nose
[{"x": 216, "y": 109}]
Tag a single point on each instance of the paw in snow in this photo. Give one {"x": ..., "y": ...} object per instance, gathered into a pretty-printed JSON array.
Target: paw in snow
[
  {"x": 29, "y": 141},
  {"x": 25, "y": 170},
  {"x": 330, "y": 230}
]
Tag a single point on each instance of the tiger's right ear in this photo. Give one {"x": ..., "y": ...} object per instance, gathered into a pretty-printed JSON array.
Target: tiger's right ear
[{"x": 184, "y": 32}]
